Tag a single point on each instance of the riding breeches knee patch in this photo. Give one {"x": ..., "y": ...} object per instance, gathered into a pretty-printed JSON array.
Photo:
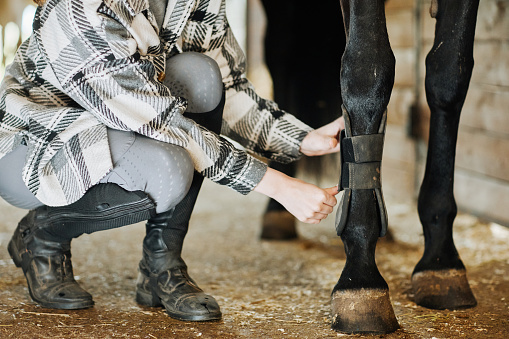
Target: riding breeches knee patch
[
  {"x": 163, "y": 171},
  {"x": 197, "y": 78}
]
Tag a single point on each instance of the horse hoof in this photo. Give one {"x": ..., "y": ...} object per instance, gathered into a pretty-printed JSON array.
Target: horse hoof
[
  {"x": 444, "y": 289},
  {"x": 363, "y": 311},
  {"x": 278, "y": 225}
]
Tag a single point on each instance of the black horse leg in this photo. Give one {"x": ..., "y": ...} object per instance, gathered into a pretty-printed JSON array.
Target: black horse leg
[
  {"x": 303, "y": 62},
  {"x": 439, "y": 279},
  {"x": 360, "y": 299}
]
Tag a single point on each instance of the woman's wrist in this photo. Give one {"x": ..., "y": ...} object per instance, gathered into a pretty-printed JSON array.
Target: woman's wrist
[{"x": 271, "y": 183}]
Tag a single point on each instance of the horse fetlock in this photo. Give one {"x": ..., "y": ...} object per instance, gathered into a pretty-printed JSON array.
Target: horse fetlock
[
  {"x": 443, "y": 289},
  {"x": 439, "y": 256},
  {"x": 363, "y": 311},
  {"x": 360, "y": 271}
]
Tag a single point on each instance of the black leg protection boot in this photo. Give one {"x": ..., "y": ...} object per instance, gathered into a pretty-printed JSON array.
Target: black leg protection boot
[
  {"x": 163, "y": 279},
  {"x": 41, "y": 244}
]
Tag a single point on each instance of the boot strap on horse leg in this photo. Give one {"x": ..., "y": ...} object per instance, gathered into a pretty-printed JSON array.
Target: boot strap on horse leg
[{"x": 361, "y": 160}]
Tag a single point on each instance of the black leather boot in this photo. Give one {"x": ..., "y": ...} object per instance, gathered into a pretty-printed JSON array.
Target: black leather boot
[
  {"x": 41, "y": 244},
  {"x": 47, "y": 266},
  {"x": 163, "y": 279}
]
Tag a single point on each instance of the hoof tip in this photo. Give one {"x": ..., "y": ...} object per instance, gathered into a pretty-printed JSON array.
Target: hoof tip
[
  {"x": 363, "y": 311},
  {"x": 444, "y": 289}
]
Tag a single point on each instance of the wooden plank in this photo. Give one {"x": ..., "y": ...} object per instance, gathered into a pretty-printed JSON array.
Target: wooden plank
[
  {"x": 486, "y": 108},
  {"x": 427, "y": 23},
  {"x": 400, "y": 27},
  {"x": 491, "y": 63},
  {"x": 398, "y": 163},
  {"x": 483, "y": 153},
  {"x": 257, "y": 71},
  {"x": 397, "y": 182},
  {"x": 405, "y": 66},
  {"x": 391, "y": 5},
  {"x": 398, "y": 110},
  {"x": 493, "y": 20},
  {"x": 482, "y": 196},
  {"x": 398, "y": 146}
]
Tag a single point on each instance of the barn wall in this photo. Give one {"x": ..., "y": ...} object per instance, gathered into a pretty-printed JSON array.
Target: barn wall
[
  {"x": 482, "y": 160},
  {"x": 399, "y": 163}
]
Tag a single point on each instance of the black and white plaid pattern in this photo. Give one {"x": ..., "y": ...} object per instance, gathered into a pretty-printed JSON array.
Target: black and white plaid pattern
[{"x": 92, "y": 64}]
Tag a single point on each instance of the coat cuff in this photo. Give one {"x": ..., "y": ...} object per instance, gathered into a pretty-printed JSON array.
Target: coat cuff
[{"x": 245, "y": 174}]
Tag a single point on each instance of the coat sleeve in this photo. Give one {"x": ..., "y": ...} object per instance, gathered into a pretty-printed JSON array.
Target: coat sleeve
[
  {"x": 256, "y": 123},
  {"x": 105, "y": 55}
]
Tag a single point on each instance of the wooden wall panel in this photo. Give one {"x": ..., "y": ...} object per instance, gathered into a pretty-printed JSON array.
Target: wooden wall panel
[
  {"x": 484, "y": 153},
  {"x": 398, "y": 165},
  {"x": 482, "y": 196},
  {"x": 487, "y": 108}
]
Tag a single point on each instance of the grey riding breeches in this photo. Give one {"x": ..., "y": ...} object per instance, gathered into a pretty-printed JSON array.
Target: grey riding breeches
[{"x": 163, "y": 171}]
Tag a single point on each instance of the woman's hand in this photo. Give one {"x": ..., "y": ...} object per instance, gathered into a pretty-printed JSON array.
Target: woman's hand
[
  {"x": 323, "y": 140},
  {"x": 307, "y": 202}
]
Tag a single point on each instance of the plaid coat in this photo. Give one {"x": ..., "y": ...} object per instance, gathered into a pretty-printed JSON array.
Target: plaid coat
[{"x": 92, "y": 64}]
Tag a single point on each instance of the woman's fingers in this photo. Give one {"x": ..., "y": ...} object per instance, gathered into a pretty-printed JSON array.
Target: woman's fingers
[
  {"x": 319, "y": 213},
  {"x": 325, "y": 209},
  {"x": 316, "y": 218},
  {"x": 324, "y": 205},
  {"x": 331, "y": 199},
  {"x": 323, "y": 140},
  {"x": 305, "y": 201}
]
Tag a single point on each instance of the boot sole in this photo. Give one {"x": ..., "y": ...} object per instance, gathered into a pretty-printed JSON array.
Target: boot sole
[
  {"x": 152, "y": 300},
  {"x": 14, "y": 253},
  {"x": 187, "y": 317}
]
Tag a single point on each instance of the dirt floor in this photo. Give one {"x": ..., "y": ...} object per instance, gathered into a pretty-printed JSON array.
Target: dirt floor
[{"x": 265, "y": 289}]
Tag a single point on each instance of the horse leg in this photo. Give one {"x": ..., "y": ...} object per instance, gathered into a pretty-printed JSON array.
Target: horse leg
[
  {"x": 360, "y": 299},
  {"x": 439, "y": 279}
]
